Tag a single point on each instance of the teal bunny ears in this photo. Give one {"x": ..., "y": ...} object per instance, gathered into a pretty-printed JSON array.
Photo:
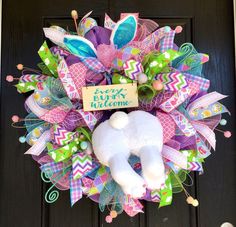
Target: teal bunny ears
[
  {"x": 80, "y": 46},
  {"x": 123, "y": 33}
]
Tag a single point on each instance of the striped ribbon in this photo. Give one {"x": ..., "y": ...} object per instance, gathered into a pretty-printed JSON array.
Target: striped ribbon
[
  {"x": 206, "y": 132},
  {"x": 40, "y": 145},
  {"x": 175, "y": 156}
]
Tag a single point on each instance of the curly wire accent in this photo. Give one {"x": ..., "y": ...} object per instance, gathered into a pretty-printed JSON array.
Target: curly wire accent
[
  {"x": 46, "y": 176},
  {"x": 191, "y": 180},
  {"x": 51, "y": 196}
]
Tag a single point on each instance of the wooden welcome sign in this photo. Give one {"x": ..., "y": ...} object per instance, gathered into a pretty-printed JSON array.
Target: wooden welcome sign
[{"x": 110, "y": 97}]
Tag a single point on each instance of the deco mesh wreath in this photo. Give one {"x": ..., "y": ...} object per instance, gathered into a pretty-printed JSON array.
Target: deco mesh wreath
[{"x": 142, "y": 153}]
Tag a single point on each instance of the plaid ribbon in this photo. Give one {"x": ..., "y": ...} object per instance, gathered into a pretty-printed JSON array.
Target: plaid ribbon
[
  {"x": 52, "y": 167},
  {"x": 203, "y": 83},
  {"x": 168, "y": 41},
  {"x": 76, "y": 192},
  {"x": 94, "y": 64},
  {"x": 149, "y": 43}
]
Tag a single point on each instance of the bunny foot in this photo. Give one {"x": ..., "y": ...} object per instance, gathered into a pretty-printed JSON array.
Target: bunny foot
[
  {"x": 154, "y": 182},
  {"x": 153, "y": 169},
  {"x": 136, "y": 188},
  {"x": 131, "y": 183}
]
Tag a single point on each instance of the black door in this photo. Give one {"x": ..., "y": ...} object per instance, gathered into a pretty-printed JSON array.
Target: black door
[{"x": 207, "y": 23}]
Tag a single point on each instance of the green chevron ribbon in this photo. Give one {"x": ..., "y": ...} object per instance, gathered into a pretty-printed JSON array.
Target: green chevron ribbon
[
  {"x": 81, "y": 164},
  {"x": 62, "y": 136}
]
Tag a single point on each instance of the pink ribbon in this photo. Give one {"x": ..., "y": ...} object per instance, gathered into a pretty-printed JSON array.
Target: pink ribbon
[
  {"x": 67, "y": 80},
  {"x": 55, "y": 115},
  {"x": 175, "y": 100},
  {"x": 168, "y": 125},
  {"x": 132, "y": 206},
  {"x": 206, "y": 132},
  {"x": 175, "y": 156}
]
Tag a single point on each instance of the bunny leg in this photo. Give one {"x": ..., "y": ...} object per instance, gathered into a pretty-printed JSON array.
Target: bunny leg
[
  {"x": 152, "y": 166},
  {"x": 121, "y": 171}
]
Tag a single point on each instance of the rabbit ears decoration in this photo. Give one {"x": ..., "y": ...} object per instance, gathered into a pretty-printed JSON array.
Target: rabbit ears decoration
[
  {"x": 123, "y": 33},
  {"x": 80, "y": 46}
]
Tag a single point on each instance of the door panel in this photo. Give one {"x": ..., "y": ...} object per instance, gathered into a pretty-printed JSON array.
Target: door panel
[{"x": 206, "y": 23}]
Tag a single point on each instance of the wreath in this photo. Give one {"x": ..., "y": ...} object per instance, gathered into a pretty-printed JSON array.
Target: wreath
[{"x": 118, "y": 113}]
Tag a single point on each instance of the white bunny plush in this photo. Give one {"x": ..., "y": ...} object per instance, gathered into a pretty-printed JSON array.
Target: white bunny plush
[{"x": 138, "y": 133}]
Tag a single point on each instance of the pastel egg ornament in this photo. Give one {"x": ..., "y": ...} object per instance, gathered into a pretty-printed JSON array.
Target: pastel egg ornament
[
  {"x": 157, "y": 85},
  {"x": 223, "y": 122},
  {"x": 22, "y": 139},
  {"x": 83, "y": 145},
  {"x": 142, "y": 78}
]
